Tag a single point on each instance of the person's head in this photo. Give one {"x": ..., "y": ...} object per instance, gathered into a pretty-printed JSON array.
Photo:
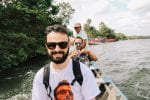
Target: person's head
[
  {"x": 77, "y": 27},
  {"x": 78, "y": 43},
  {"x": 63, "y": 91},
  {"x": 57, "y": 43}
]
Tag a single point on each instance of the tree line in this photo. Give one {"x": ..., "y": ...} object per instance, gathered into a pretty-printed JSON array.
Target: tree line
[
  {"x": 102, "y": 31},
  {"x": 22, "y": 26}
]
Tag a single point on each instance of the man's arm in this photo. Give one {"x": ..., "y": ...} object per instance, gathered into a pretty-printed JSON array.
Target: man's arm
[
  {"x": 91, "y": 55},
  {"x": 73, "y": 54},
  {"x": 84, "y": 43}
]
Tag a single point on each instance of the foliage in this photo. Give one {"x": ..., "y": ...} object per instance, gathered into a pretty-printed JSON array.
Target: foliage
[
  {"x": 70, "y": 33},
  {"x": 109, "y": 33},
  {"x": 22, "y": 25},
  {"x": 138, "y": 37},
  {"x": 65, "y": 12},
  {"x": 106, "y": 31},
  {"x": 91, "y": 30},
  {"x": 103, "y": 31},
  {"x": 15, "y": 48},
  {"x": 121, "y": 36}
]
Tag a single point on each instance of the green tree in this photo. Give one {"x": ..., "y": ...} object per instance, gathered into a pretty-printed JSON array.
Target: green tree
[
  {"x": 22, "y": 25},
  {"x": 106, "y": 31},
  {"x": 65, "y": 12},
  {"x": 91, "y": 30},
  {"x": 121, "y": 36}
]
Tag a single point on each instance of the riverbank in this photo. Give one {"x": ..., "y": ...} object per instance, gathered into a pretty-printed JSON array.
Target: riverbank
[
  {"x": 96, "y": 41},
  {"x": 29, "y": 62}
]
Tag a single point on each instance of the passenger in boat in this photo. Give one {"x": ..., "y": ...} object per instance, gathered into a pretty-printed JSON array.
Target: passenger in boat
[
  {"x": 85, "y": 56},
  {"x": 81, "y": 52},
  {"x": 80, "y": 33},
  {"x": 62, "y": 78}
]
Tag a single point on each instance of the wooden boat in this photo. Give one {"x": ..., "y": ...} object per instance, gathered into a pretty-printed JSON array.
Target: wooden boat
[{"x": 109, "y": 91}]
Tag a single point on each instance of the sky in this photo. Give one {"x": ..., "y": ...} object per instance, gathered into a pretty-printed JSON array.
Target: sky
[{"x": 131, "y": 17}]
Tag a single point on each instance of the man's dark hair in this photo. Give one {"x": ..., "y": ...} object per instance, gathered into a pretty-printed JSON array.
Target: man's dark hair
[
  {"x": 57, "y": 28},
  {"x": 79, "y": 38}
]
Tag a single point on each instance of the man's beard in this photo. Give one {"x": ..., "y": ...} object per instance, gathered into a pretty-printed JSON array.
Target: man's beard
[{"x": 58, "y": 60}]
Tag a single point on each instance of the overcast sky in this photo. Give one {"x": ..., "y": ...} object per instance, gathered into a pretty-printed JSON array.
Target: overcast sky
[{"x": 131, "y": 17}]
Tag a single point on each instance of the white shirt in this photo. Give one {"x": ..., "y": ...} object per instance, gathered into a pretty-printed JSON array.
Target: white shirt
[
  {"x": 81, "y": 34},
  {"x": 87, "y": 91}
]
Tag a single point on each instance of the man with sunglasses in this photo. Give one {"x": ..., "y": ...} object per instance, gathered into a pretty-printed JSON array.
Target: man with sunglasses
[
  {"x": 80, "y": 33},
  {"x": 81, "y": 52},
  {"x": 84, "y": 55},
  {"x": 61, "y": 68}
]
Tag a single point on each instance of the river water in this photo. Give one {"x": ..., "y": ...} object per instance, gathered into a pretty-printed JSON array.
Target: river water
[{"x": 127, "y": 63}]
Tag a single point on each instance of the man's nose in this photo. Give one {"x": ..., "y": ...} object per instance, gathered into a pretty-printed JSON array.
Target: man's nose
[{"x": 57, "y": 48}]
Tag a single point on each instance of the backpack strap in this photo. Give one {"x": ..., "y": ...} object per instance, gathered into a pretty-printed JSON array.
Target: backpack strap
[
  {"x": 77, "y": 72},
  {"x": 46, "y": 75}
]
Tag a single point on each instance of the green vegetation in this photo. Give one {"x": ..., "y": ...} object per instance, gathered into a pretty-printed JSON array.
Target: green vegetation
[
  {"x": 138, "y": 37},
  {"x": 23, "y": 24},
  {"x": 91, "y": 30},
  {"x": 103, "y": 31}
]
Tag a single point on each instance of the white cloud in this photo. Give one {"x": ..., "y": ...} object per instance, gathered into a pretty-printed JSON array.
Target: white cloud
[
  {"x": 141, "y": 6},
  {"x": 131, "y": 17}
]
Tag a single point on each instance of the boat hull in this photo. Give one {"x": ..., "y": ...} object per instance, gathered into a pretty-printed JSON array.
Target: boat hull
[{"x": 109, "y": 91}]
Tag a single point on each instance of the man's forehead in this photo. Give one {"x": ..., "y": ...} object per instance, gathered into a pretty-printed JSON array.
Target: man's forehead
[
  {"x": 78, "y": 39},
  {"x": 57, "y": 36}
]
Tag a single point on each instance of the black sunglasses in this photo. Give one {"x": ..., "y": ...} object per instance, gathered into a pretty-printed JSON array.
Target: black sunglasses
[
  {"x": 77, "y": 27},
  {"x": 52, "y": 45},
  {"x": 78, "y": 43}
]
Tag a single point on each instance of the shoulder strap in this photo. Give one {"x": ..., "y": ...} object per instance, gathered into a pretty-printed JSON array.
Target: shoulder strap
[
  {"x": 46, "y": 75},
  {"x": 46, "y": 79},
  {"x": 77, "y": 72}
]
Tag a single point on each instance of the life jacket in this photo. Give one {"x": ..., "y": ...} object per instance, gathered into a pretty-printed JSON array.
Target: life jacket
[{"x": 76, "y": 71}]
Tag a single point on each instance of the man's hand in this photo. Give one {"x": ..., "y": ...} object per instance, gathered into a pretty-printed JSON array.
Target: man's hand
[
  {"x": 85, "y": 51},
  {"x": 74, "y": 54},
  {"x": 92, "y": 55}
]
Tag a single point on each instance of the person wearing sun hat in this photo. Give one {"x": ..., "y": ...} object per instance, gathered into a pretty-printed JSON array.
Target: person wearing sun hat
[{"x": 80, "y": 33}]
